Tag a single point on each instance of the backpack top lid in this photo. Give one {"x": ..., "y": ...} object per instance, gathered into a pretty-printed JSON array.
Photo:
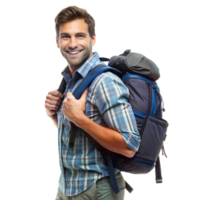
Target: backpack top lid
[{"x": 135, "y": 63}]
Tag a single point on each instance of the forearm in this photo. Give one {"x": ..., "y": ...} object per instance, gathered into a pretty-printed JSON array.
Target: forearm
[
  {"x": 55, "y": 120},
  {"x": 108, "y": 138}
]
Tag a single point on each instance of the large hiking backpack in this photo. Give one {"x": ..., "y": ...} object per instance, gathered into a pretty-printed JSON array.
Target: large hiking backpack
[{"x": 139, "y": 74}]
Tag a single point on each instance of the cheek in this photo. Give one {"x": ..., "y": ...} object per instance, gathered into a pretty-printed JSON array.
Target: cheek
[
  {"x": 63, "y": 44},
  {"x": 85, "y": 43}
]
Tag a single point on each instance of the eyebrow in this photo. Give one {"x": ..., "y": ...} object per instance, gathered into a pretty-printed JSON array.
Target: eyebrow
[{"x": 79, "y": 33}]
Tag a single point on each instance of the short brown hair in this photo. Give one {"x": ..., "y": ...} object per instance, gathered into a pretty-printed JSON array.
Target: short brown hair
[{"x": 71, "y": 13}]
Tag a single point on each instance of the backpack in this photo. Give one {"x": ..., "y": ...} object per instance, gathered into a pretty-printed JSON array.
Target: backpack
[{"x": 139, "y": 74}]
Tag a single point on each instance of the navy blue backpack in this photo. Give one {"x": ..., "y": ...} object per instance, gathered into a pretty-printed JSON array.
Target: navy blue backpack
[{"x": 139, "y": 74}]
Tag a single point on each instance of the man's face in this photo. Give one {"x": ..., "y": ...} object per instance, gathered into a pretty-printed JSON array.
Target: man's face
[{"x": 75, "y": 42}]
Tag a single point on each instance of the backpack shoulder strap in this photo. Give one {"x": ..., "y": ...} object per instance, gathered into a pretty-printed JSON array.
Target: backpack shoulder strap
[
  {"x": 62, "y": 86},
  {"x": 88, "y": 79},
  {"x": 91, "y": 76}
]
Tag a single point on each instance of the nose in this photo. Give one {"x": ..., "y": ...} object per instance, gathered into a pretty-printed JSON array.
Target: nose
[{"x": 73, "y": 43}]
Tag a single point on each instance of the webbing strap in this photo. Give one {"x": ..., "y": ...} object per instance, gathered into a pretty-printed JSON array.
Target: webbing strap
[
  {"x": 139, "y": 114},
  {"x": 112, "y": 174},
  {"x": 158, "y": 171},
  {"x": 128, "y": 187},
  {"x": 72, "y": 135}
]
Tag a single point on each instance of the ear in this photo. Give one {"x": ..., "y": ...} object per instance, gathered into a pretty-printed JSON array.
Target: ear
[
  {"x": 57, "y": 45},
  {"x": 56, "y": 40},
  {"x": 93, "y": 40}
]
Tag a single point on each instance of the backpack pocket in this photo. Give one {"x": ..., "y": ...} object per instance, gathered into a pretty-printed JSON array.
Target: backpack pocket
[
  {"x": 152, "y": 138},
  {"x": 132, "y": 165}
]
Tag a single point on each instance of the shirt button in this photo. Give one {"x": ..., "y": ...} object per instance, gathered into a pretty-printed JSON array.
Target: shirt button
[
  {"x": 59, "y": 140},
  {"x": 60, "y": 155}
]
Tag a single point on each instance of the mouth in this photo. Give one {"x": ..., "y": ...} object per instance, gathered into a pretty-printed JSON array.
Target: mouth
[{"x": 74, "y": 53}]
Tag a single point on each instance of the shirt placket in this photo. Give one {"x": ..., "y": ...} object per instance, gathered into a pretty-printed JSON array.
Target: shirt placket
[
  {"x": 72, "y": 83},
  {"x": 62, "y": 128},
  {"x": 69, "y": 85}
]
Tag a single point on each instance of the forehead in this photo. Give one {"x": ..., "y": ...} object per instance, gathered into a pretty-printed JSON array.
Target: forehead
[{"x": 73, "y": 27}]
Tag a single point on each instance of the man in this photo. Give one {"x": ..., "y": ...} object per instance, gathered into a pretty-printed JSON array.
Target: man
[{"x": 103, "y": 111}]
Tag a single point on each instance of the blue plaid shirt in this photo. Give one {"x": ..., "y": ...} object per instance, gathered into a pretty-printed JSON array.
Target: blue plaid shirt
[{"x": 106, "y": 104}]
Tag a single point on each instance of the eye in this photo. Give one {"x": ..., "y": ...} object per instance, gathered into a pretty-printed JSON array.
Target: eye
[
  {"x": 65, "y": 36},
  {"x": 80, "y": 36}
]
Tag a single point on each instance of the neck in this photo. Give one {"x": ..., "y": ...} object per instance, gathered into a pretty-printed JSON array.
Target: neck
[{"x": 72, "y": 69}]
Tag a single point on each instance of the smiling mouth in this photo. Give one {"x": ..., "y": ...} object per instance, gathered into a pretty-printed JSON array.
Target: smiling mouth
[{"x": 74, "y": 52}]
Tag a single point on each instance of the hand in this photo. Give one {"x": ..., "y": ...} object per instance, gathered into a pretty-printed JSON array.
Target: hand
[
  {"x": 52, "y": 102},
  {"x": 74, "y": 109}
]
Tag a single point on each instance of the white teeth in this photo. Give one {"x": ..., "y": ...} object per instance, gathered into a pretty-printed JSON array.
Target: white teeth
[{"x": 73, "y": 52}]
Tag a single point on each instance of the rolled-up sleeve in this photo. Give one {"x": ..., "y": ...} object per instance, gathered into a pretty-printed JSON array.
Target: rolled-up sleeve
[{"x": 111, "y": 97}]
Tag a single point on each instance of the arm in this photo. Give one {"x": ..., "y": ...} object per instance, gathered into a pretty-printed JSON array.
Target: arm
[
  {"x": 122, "y": 136},
  {"x": 51, "y": 105},
  {"x": 55, "y": 120},
  {"x": 108, "y": 138},
  {"x": 73, "y": 110}
]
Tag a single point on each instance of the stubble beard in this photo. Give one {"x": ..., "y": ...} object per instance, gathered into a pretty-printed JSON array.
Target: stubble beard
[{"x": 78, "y": 62}]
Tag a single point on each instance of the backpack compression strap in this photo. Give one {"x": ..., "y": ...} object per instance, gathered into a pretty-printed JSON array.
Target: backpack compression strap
[{"x": 153, "y": 107}]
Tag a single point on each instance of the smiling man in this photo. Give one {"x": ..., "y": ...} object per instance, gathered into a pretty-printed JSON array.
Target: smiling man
[{"x": 103, "y": 111}]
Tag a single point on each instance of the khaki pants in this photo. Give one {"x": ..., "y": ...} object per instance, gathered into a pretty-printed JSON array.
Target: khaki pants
[{"x": 101, "y": 190}]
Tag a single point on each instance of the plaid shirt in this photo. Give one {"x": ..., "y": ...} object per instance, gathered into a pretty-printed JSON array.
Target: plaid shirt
[{"x": 106, "y": 104}]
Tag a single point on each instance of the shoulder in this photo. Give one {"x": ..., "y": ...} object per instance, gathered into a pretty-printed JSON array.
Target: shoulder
[
  {"x": 105, "y": 77},
  {"x": 108, "y": 84}
]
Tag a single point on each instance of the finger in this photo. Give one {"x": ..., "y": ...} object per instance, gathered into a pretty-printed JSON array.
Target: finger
[
  {"x": 64, "y": 109},
  {"x": 52, "y": 99},
  {"x": 60, "y": 94},
  {"x": 51, "y": 112},
  {"x": 70, "y": 97},
  {"x": 56, "y": 93},
  {"x": 53, "y": 102},
  {"x": 51, "y": 107},
  {"x": 69, "y": 94}
]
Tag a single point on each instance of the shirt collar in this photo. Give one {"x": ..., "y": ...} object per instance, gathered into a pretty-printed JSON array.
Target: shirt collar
[
  {"x": 88, "y": 65},
  {"x": 84, "y": 69}
]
